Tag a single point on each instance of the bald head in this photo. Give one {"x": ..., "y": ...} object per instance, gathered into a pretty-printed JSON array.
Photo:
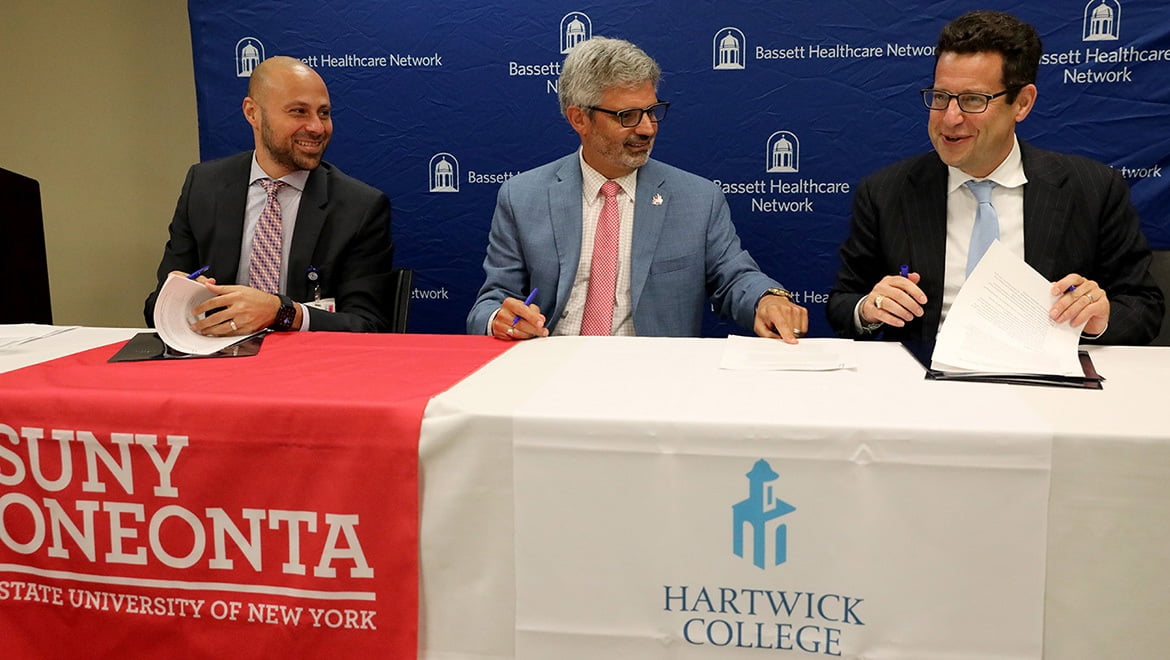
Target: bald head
[
  {"x": 291, "y": 116},
  {"x": 273, "y": 70}
]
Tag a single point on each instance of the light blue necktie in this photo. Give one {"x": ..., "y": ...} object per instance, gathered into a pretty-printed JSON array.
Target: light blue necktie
[{"x": 986, "y": 227}]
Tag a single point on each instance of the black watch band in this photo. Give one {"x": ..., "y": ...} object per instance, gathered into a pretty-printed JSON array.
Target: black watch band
[{"x": 285, "y": 315}]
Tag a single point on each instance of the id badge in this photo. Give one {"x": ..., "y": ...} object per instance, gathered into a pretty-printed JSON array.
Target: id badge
[{"x": 327, "y": 304}]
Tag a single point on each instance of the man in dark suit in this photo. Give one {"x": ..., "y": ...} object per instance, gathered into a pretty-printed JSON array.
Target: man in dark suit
[
  {"x": 1069, "y": 217},
  {"x": 671, "y": 245},
  {"x": 292, "y": 243}
]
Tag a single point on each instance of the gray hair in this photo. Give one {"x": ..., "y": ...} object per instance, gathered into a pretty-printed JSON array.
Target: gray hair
[{"x": 600, "y": 63}]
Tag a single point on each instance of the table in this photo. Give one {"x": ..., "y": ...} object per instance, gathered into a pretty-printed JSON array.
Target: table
[
  {"x": 527, "y": 454},
  {"x": 258, "y": 506},
  {"x": 530, "y": 448}
]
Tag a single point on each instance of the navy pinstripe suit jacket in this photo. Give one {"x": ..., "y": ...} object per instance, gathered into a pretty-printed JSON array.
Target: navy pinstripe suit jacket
[{"x": 1077, "y": 219}]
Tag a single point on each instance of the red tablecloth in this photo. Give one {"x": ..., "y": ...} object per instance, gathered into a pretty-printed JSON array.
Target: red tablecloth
[{"x": 249, "y": 507}]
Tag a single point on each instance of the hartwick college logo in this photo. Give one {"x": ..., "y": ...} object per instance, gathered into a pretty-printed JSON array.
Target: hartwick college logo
[{"x": 761, "y": 510}]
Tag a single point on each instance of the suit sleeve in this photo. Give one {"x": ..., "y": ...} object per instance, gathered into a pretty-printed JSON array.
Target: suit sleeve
[
  {"x": 505, "y": 271},
  {"x": 181, "y": 251},
  {"x": 734, "y": 280},
  {"x": 861, "y": 267},
  {"x": 1136, "y": 303}
]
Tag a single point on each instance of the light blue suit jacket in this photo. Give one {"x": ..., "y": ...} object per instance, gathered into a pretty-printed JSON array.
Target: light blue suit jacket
[{"x": 685, "y": 250}]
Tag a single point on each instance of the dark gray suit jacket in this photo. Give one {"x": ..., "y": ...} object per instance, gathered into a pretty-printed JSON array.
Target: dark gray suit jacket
[
  {"x": 1077, "y": 219},
  {"x": 342, "y": 230}
]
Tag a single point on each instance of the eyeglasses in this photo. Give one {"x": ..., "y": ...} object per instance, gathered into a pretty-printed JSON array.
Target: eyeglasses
[
  {"x": 969, "y": 102},
  {"x": 631, "y": 117}
]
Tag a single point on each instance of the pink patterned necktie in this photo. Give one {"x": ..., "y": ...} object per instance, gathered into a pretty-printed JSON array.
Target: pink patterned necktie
[
  {"x": 597, "y": 318},
  {"x": 267, "y": 242}
]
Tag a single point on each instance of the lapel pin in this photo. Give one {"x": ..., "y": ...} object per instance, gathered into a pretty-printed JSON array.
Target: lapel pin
[{"x": 657, "y": 201}]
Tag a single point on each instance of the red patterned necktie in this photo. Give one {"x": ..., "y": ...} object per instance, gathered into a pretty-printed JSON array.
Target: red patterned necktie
[
  {"x": 267, "y": 242},
  {"x": 597, "y": 318}
]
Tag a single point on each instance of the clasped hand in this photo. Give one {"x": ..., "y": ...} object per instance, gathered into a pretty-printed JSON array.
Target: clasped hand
[{"x": 235, "y": 309}]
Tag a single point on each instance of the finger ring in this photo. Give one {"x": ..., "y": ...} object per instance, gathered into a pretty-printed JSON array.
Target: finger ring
[
  {"x": 511, "y": 331},
  {"x": 1090, "y": 297},
  {"x": 877, "y": 301},
  {"x": 232, "y": 323},
  {"x": 796, "y": 331}
]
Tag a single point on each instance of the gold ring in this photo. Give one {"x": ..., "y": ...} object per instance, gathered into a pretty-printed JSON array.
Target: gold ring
[
  {"x": 232, "y": 323},
  {"x": 1090, "y": 297},
  {"x": 877, "y": 301}
]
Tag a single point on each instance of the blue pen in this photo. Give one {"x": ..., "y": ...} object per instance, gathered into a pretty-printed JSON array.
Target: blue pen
[
  {"x": 199, "y": 272},
  {"x": 904, "y": 271},
  {"x": 527, "y": 302}
]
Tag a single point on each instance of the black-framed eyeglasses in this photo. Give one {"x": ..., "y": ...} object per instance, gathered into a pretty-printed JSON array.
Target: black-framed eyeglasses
[
  {"x": 969, "y": 102},
  {"x": 631, "y": 117}
]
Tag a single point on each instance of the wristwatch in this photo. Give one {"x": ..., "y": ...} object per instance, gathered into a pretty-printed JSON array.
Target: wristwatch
[
  {"x": 775, "y": 292},
  {"x": 285, "y": 315}
]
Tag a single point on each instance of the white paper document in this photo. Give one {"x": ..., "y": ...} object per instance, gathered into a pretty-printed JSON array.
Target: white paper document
[
  {"x": 999, "y": 323},
  {"x": 16, "y": 334},
  {"x": 763, "y": 354},
  {"x": 173, "y": 318}
]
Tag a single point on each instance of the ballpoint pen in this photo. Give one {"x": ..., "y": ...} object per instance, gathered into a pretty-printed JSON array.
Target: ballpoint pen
[
  {"x": 904, "y": 271},
  {"x": 527, "y": 302},
  {"x": 199, "y": 272}
]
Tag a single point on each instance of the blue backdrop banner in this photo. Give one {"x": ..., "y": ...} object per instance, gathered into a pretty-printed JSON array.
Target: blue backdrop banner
[{"x": 787, "y": 105}]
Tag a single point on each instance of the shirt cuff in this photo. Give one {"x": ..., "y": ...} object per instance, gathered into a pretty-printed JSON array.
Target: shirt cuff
[
  {"x": 304, "y": 317},
  {"x": 858, "y": 324},
  {"x": 1096, "y": 336}
]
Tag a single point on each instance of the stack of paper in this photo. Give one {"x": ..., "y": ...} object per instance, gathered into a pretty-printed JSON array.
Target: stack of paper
[
  {"x": 999, "y": 325},
  {"x": 173, "y": 318}
]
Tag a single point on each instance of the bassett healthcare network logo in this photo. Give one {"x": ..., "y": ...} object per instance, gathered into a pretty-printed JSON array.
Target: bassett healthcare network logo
[
  {"x": 444, "y": 173},
  {"x": 728, "y": 50},
  {"x": 575, "y": 28},
  {"x": 760, "y": 514},
  {"x": 249, "y": 53},
  {"x": 783, "y": 152},
  {"x": 1102, "y": 21}
]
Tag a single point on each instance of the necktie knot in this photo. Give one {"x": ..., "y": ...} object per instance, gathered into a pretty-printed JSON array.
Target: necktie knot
[
  {"x": 981, "y": 190},
  {"x": 610, "y": 188},
  {"x": 272, "y": 187}
]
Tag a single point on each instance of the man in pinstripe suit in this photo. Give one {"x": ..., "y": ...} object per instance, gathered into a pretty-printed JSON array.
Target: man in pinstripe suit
[{"x": 1069, "y": 217}]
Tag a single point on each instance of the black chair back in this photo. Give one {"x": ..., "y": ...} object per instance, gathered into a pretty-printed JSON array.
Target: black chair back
[
  {"x": 24, "y": 269},
  {"x": 402, "y": 282}
]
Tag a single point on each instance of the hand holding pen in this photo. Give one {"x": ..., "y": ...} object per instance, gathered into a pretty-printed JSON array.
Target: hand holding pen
[
  {"x": 895, "y": 300},
  {"x": 1082, "y": 303},
  {"x": 519, "y": 320}
]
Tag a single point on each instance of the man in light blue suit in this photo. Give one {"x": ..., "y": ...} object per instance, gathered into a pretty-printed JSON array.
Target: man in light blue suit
[{"x": 668, "y": 234}]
